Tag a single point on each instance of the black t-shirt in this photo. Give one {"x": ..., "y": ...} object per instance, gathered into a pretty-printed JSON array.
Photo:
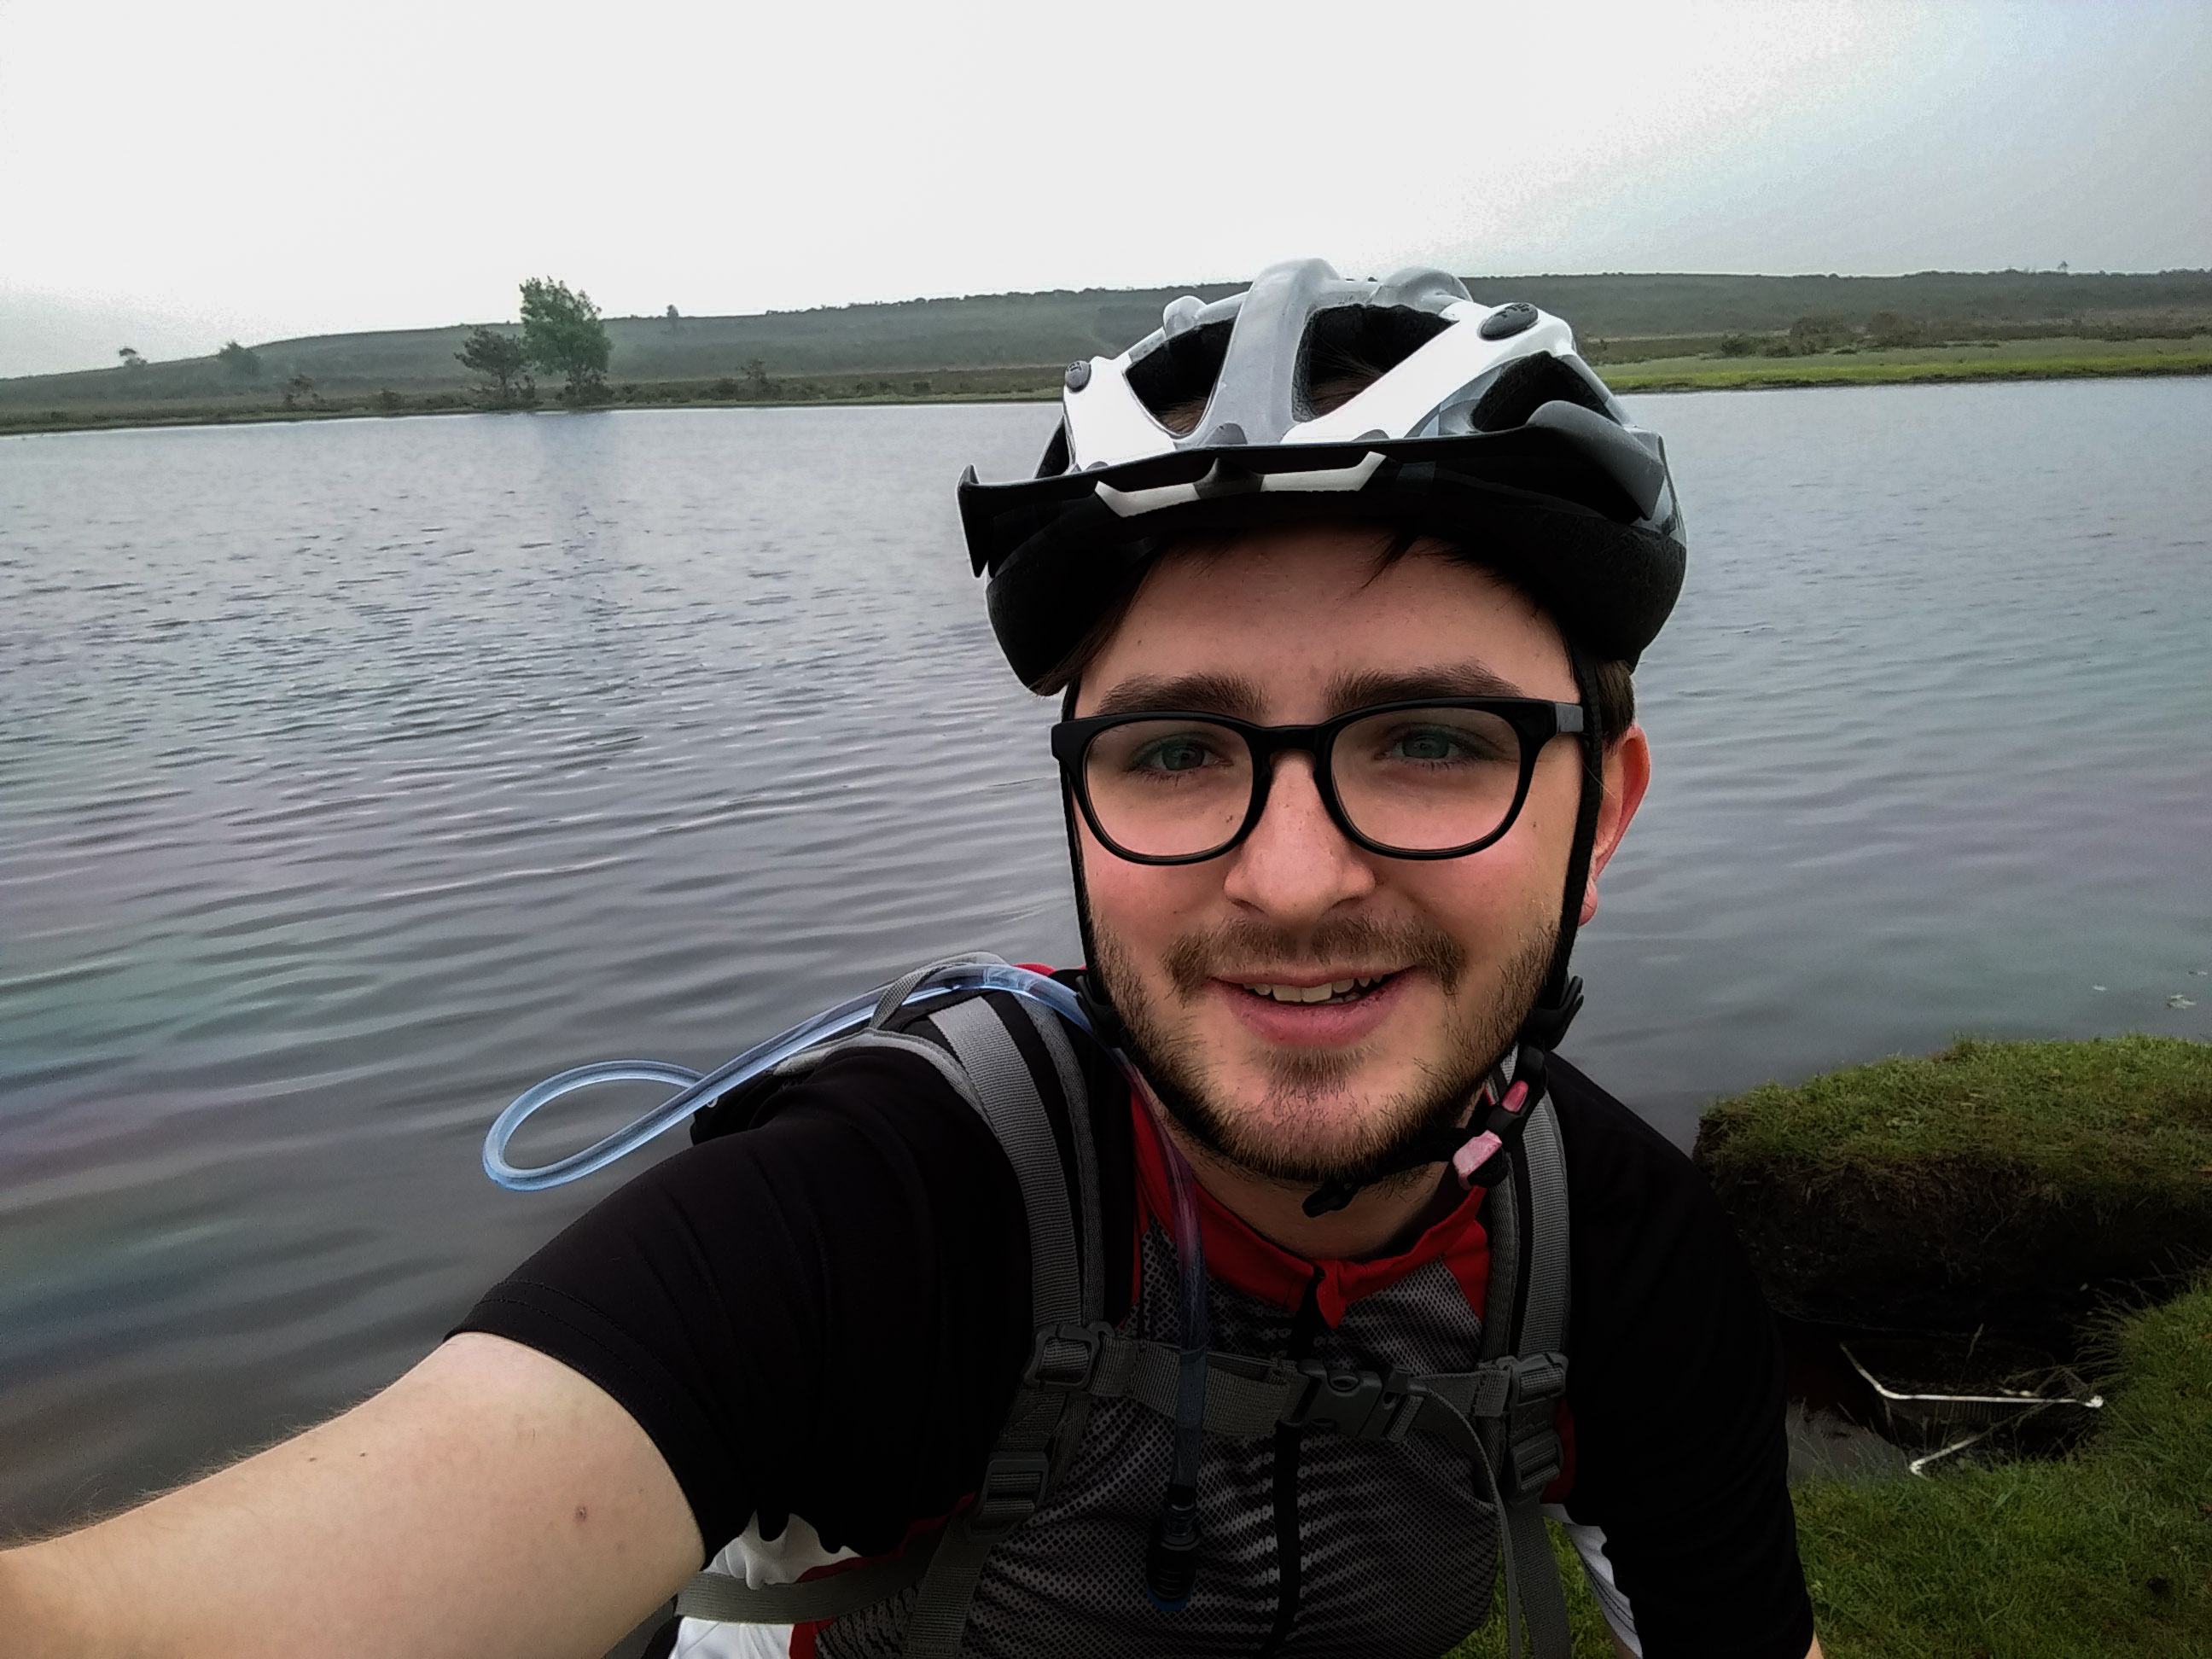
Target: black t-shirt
[{"x": 826, "y": 1314}]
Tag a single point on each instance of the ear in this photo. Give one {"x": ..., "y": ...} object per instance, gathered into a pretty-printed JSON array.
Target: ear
[{"x": 1627, "y": 775}]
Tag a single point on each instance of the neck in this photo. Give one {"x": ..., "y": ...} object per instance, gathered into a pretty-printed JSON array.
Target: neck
[{"x": 1384, "y": 1218}]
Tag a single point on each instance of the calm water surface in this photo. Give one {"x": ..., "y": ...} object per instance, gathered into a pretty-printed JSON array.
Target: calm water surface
[{"x": 354, "y": 775}]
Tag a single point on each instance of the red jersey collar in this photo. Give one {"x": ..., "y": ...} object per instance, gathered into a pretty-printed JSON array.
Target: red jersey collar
[{"x": 1241, "y": 1259}]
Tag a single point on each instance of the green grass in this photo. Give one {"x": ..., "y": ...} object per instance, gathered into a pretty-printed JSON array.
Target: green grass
[
  {"x": 2016, "y": 1184},
  {"x": 2106, "y": 1552},
  {"x": 2106, "y": 1116},
  {"x": 2057, "y": 358}
]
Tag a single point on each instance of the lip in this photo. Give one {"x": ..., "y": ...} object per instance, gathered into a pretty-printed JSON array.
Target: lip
[{"x": 1312, "y": 1024}]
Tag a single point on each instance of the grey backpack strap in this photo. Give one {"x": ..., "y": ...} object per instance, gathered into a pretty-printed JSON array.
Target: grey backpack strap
[
  {"x": 1519, "y": 1412},
  {"x": 1044, "y": 1419}
]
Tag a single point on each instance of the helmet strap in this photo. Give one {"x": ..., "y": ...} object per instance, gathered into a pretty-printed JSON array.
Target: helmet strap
[
  {"x": 1105, "y": 1020},
  {"x": 1562, "y": 998}
]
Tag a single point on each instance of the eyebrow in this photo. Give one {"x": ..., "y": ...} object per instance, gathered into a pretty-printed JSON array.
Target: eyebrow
[
  {"x": 1208, "y": 694},
  {"x": 1241, "y": 698},
  {"x": 1466, "y": 679}
]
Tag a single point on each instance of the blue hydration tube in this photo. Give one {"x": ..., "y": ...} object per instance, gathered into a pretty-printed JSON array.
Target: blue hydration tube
[{"x": 694, "y": 1090}]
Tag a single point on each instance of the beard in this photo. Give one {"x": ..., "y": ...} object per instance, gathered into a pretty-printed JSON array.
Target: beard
[{"x": 1308, "y": 1127}]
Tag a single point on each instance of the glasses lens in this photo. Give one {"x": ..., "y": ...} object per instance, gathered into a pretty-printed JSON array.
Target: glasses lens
[
  {"x": 1169, "y": 788},
  {"x": 1427, "y": 779}
]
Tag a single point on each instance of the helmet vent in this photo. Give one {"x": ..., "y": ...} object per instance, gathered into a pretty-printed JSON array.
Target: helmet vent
[
  {"x": 1055, "y": 453},
  {"x": 1347, "y": 349},
  {"x": 1174, "y": 378},
  {"x": 1525, "y": 385}
]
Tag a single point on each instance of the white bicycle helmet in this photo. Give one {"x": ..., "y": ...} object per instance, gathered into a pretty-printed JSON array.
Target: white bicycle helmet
[{"x": 1482, "y": 427}]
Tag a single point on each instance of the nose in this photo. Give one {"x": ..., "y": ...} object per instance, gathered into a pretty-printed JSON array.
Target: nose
[{"x": 1296, "y": 866}]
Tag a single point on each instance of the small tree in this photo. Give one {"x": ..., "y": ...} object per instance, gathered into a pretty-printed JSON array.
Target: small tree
[
  {"x": 1810, "y": 334},
  {"x": 1887, "y": 329},
  {"x": 131, "y": 357},
  {"x": 561, "y": 334},
  {"x": 242, "y": 363},
  {"x": 501, "y": 356},
  {"x": 757, "y": 384}
]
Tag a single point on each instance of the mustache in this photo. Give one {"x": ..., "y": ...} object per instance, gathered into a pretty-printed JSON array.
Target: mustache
[{"x": 1194, "y": 958}]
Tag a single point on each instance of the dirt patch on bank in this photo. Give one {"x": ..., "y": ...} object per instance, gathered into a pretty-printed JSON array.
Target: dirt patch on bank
[{"x": 2017, "y": 1187}]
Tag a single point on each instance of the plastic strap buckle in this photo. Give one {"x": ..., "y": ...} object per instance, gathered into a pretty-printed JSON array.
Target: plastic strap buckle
[
  {"x": 1534, "y": 1456},
  {"x": 1505, "y": 1387},
  {"x": 1534, "y": 1377},
  {"x": 1013, "y": 1485},
  {"x": 1064, "y": 1357},
  {"x": 1533, "y": 1462},
  {"x": 1363, "y": 1405}
]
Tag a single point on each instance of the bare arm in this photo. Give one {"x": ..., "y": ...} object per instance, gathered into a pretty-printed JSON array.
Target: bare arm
[{"x": 490, "y": 1502}]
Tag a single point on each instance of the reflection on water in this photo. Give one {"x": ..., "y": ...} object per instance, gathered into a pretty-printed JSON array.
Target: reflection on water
[{"x": 353, "y": 776}]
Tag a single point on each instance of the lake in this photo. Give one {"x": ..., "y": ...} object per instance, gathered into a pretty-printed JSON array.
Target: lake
[{"x": 354, "y": 775}]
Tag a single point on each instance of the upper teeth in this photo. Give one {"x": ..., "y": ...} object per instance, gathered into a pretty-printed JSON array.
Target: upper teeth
[{"x": 1335, "y": 988}]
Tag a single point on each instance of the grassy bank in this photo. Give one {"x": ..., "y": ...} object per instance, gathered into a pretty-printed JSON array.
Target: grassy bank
[
  {"x": 1016, "y": 385},
  {"x": 2010, "y": 359},
  {"x": 2107, "y": 1551},
  {"x": 2016, "y": 1184},
  {"x": 2057, "y": 358}
]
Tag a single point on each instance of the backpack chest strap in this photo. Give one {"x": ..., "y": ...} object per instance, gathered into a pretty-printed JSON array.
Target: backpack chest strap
[{"x": 1247, "y": 1398}]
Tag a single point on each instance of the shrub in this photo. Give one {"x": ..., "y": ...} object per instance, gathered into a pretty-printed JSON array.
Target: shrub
[
  {"x": 1888, "y": 330},
  {"x": 1808, "y": 335}
]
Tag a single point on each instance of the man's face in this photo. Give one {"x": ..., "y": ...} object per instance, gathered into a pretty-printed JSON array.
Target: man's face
[{"x": 1293, "y": 626}]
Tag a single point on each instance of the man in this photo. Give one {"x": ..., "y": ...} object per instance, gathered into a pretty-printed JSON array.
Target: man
[{"x": 1342, "y": 582}]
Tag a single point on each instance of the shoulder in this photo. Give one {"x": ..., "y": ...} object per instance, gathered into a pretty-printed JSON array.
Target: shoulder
[
  {"x": 1658, "y": 1273},
  {"x": 1608, "y": 1147},
  {"x": 1631, "y": 1190}
]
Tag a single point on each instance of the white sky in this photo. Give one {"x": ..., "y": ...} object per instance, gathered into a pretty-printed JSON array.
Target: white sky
[{"x": 172, "y": 175}]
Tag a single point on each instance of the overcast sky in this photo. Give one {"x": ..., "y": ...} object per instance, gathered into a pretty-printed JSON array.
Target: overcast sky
[{"x": 174, "y": 175}]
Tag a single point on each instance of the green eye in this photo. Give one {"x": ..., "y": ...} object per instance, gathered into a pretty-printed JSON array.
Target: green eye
[
  {"x": 1174, "y": 755},
  {"x": 1429, "y": 745}
]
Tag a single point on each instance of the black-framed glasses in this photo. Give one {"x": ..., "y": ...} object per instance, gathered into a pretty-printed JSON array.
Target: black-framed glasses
[{"x": 1437, "y": 779}]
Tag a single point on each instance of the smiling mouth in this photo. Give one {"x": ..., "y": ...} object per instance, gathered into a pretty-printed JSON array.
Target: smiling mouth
[{"x": 1335, "y": 991}]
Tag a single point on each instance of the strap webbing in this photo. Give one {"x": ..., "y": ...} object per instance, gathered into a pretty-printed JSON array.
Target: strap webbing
[
  {"x": 1011, "y": 1106},
  {"x": 1021, "y": 1464},
  {"x": 1522, "y": 1441},
  {"x": 1073, "y": 1090},
  {"x": 1544, "y": 1322}
]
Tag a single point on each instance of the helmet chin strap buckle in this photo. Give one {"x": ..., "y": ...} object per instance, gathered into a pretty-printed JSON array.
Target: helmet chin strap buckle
[{"x": 1472, "y": 1151}]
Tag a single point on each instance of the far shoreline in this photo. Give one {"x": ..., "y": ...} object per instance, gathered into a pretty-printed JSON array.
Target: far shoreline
[{"x": 1630, "y": 378}]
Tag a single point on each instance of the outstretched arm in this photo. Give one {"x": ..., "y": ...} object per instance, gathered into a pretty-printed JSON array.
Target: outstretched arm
[{"x": 490, "y": 1502}]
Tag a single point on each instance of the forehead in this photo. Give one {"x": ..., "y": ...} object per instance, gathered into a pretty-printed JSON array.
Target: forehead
[{"x": 1297, "y": 610}]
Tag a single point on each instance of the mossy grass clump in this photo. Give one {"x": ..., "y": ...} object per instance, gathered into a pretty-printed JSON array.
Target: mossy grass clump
[
  {"x": 2015, "y": 1185},
  {"x": 2105, "y": 1552}
]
